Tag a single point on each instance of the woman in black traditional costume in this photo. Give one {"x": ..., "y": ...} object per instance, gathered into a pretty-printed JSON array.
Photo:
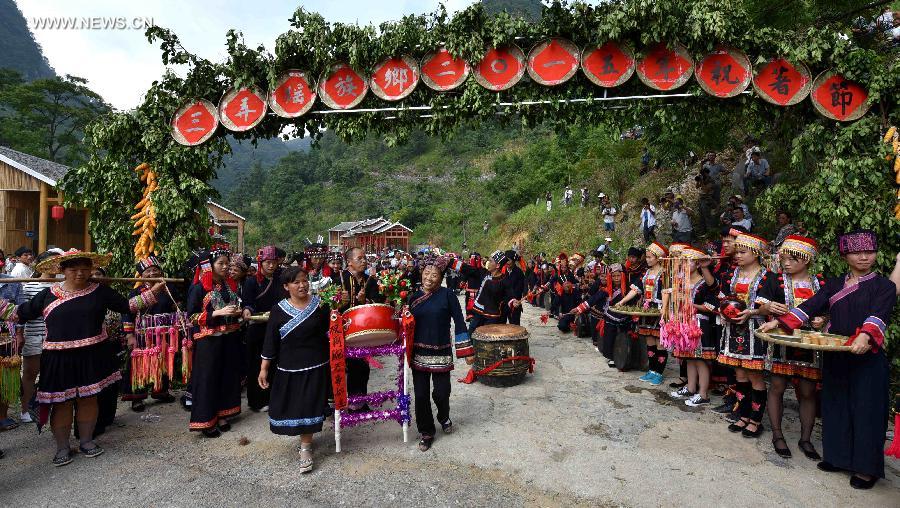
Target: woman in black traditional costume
[
  {"x": 215, "y": 309},
  {"x": 76, "y": 363},
  {"x": 260, "y": 294},
  {"x": 434, "y": 307},
  {"x": 649, "y": 287},
  {"x": 492, "y": 294},
  {"x": 854, "y": 383},
  {"x": 739, "y": 346},
  {"x": 149, "y": 267},
  {"x": 296, "y": 344},
  {"x": 792, "y": 287}
]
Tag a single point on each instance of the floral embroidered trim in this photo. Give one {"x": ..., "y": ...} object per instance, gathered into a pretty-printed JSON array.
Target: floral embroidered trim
[
  {"x": 79, "y": 391},
  {"x": 63, "y": 296},
  {"x": 57, "y": 345}
]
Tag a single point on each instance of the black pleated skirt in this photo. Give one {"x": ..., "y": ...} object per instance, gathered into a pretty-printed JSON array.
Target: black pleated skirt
[
  {"x": 298, "y": 401},
  {"x": 67, "y": 374}
]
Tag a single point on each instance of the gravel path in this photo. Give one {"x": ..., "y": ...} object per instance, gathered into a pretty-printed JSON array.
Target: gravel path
[{"x": 574, "y": 433}]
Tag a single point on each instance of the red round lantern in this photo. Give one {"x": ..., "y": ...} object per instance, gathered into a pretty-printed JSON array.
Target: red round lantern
[{"x": 57, "y": 212}]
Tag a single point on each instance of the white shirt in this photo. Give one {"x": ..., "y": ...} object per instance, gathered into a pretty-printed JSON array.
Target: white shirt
[
  {"x": 744, "y": 223},
  {"x": 648, "y": 217},
  {"x": 609, "y": 214},
  {"x": 22, "y": 270}
]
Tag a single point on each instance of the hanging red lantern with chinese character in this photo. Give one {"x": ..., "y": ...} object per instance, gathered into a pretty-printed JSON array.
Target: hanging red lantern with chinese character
[
  {"x": 57, "y": 212},
  {"x": 442, "y": 72},
  {"x": 665, "y": 67},
  {"x": 782, "y": 82},
  {"x": 293, "y": 95},
  {"x": 395, "y": 78},
  {"x": 194, "y": 122},
  {"x": 501, "y": 68},
  {"x": 553, "y": 62},
  {"x": 608, "y": 65},
  {"x": 241, "y": 109},
  {"x": 839, "y": 98},
  {"x": 724, "y": 73},
  {"x": 342, "y": 87}
]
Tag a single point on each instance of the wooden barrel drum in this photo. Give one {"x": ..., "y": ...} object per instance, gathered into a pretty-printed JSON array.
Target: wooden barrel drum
[{"x": 493, "y": 343}]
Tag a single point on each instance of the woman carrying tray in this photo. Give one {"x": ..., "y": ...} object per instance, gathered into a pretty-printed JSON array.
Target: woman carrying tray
[
  {"x": 794, "y": 286},
  {"x": 296, "y": 345},
  {"x": 854, "y": 383},
  {"x": 650, "y": 287},
  {"x": 739, "y": 347}
]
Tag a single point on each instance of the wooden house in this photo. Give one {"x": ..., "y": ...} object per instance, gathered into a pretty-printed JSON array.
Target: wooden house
[
  {"x": 373, "y": 235},
  {"x": 27, "y": 195},
  {"x": 222, "y": 219}
]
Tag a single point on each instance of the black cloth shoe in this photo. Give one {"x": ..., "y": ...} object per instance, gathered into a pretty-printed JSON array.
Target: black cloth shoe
[
  {"x": 753, "y": 434},
  {"x": 724, "y": 408},
  {"x": 138, "y": 406},
  {"x": 828, "y": 467},
  {"x": 858, "y": 483},
  {"x": 164, "y": 398},
  {"x": 425, "y": 443},
  {"x": 213, "y": 432},
  {"x": 186, "y": 403},
  {"x": 447, "y": 427},
  {"x": 809, "y": 450},
  {"x": 784, "y": 452}
]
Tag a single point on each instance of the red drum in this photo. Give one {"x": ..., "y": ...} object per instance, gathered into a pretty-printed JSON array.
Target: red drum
[{"x": 370, "y": 325}]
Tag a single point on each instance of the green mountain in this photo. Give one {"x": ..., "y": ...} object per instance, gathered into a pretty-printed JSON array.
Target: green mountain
[
  {"x": 527, "y": 9},
  {"x": 244, "y": 156},
  {"x": 18, "y": 49}
]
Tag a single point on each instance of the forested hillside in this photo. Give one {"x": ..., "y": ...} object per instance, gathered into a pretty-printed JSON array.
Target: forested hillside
[{"x": 20, "y": 52}]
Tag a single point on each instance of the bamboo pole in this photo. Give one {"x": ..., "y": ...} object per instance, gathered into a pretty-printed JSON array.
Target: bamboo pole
[{"x": 10, "y": 280}]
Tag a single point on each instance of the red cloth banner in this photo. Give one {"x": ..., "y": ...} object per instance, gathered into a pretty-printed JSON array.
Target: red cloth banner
[{"x": 338, "y": 360}]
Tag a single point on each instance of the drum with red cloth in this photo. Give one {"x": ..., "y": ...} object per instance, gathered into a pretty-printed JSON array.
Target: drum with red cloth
[
  {"x": 496, "y": 343},
  {"x": 370, "y": 325}
]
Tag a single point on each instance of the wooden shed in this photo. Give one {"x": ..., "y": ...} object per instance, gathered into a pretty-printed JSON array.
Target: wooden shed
[
  {"x": 27, "y": 193},
  {"x": 223, "y": 218}
]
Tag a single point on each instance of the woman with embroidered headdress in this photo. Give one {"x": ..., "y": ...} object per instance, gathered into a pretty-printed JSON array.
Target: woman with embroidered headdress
[
  {"x": 699, "y": 360},
  {"x": 320, "y": 274},
  {"x": 296, "y": 345},
  {"x": 335, "y": 261},
  {"x": 745, "y": 294},
  {"x": 260, "y": 294},
  {"x": 238, "y": 269},
  {"x": 792, "y": 287},
  {"x": 148, "y": 268},
  {"x": 492, "y": 294},
  {"x": 215, "y": 311},
  {"x": 649, "y": 288},
  {"x": 76, "y": 363},
  {"x": 597, "y": 305},
  {"x": 855, "y": 383},
  {"x": 434, "y": 307}
]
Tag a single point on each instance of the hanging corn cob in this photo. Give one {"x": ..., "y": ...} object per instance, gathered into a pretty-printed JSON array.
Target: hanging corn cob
[
  {"x": 892, "y": 137},
  {"x": 145, "y": 218}
]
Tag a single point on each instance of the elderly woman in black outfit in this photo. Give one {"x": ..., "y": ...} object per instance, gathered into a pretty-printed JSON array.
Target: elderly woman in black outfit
[{"x": 75, "y": 362}]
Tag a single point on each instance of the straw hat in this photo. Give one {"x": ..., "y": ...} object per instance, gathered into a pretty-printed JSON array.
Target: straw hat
[{"x": 51, "y": 266}]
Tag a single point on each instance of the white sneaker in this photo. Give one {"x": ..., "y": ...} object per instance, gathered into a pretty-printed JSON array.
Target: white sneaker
[
  {"x": 696, "y": 401},
  {"x": 25, "y": 418},
  {"x": 681, "y": 393}
]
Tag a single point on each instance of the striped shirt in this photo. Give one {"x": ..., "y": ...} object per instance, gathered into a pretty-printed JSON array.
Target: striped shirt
[{"x": 36, "y": 327}]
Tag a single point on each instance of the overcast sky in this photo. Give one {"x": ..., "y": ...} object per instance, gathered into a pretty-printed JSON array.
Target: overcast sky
[{"x": 121, "y": 64}]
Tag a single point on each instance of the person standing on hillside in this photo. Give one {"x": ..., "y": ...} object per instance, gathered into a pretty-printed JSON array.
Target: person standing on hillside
[
  {"x": 567, "y": 196},
  {"x": 609, "y": 213},
  {"x": 584, "y": 197},
  {"x": 549, "y": 199},
  {"x": 682, "y": 229},
  {"x": 648, "y": 220}
]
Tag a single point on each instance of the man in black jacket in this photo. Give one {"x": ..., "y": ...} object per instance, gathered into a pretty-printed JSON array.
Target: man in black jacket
[{"x": 515, "y": 282}]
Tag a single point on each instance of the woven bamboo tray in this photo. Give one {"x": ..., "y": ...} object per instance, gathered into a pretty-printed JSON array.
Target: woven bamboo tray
[
  {"x": 795, "y": 341},
  {"x": 632, "y": 311}
]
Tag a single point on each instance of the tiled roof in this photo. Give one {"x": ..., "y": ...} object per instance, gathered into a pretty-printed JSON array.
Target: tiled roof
[{"x": 46, "y": 171}]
